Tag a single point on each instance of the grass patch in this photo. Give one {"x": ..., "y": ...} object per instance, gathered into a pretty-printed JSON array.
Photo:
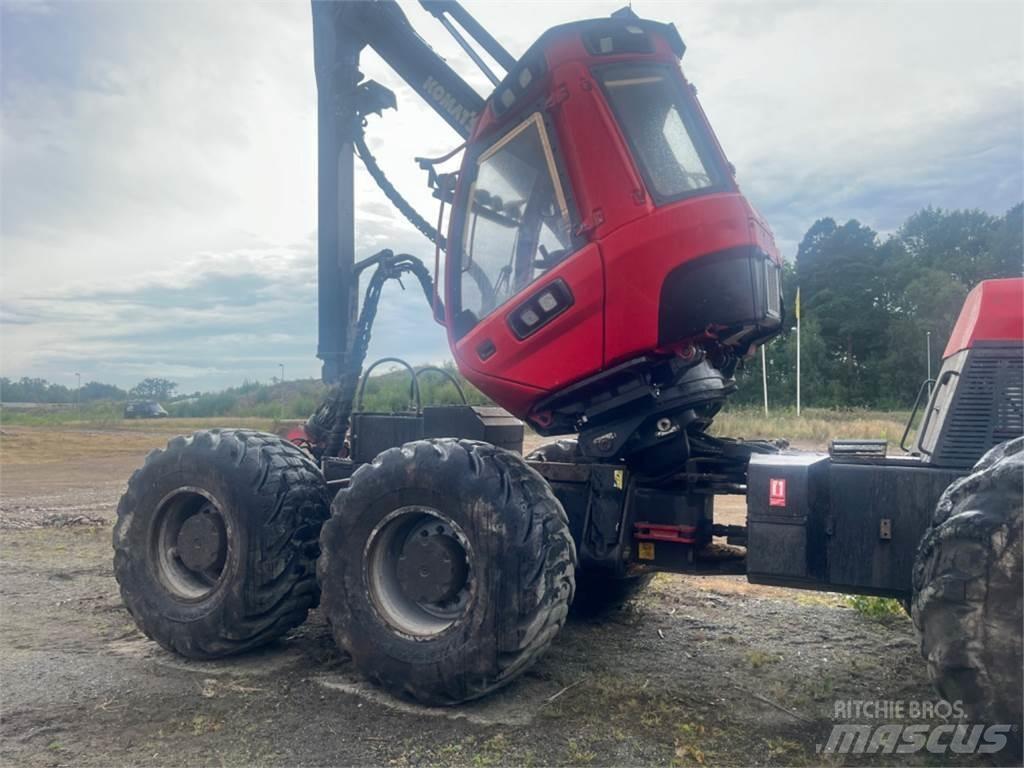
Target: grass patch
[
  {"x": 58, "y": 414},
  {"x": 689, "y": 744},
  {"x": 786, "y": 751},
  {"x": 758, "y": 659},
  {"x": 874, "y": 607},
  {"x": 577, "y": 753},
  {"x": 471, "y": 751}
]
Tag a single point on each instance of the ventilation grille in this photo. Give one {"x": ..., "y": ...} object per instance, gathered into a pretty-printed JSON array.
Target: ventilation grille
[
  {"x": 987, "y": 407},
  {"x": 1009, "y": 422}
]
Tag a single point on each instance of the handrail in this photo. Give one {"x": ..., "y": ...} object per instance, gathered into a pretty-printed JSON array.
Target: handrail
[
  {"x": 913, "y": 413},
  {"x": 448, "y": 375},
  {"x": 414, "y": 384}
]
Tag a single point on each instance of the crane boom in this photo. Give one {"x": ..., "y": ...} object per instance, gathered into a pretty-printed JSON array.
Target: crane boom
[{"x": 340, "y": 32}]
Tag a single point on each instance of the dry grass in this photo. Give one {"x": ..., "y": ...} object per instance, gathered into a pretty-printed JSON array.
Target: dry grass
[
  {"x": 69, "y": 442},
  {"x": 110, "y": 438},
  {"x": 815, "y": 427}
]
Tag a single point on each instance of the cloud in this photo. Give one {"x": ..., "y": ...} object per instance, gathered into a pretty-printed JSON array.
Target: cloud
[
  {"x": 158, "y": 214},
  {"x": 229, "y": 317}
]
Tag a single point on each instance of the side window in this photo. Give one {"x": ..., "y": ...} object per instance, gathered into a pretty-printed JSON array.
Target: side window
[{"x": 517, "y": 224}]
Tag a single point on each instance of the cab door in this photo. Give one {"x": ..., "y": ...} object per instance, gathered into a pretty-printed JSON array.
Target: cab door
[{"x": 525, "y": 292}]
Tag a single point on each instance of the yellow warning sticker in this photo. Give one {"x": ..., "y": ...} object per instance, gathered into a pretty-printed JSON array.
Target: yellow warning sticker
[
  {"x": 618, "y": 478},
  {"x": 645, "y": 550}
]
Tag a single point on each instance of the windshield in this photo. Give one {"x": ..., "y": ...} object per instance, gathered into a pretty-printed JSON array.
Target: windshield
[
  {"x": 669, "y": 144},
  {"x": 517, "y": 225}
]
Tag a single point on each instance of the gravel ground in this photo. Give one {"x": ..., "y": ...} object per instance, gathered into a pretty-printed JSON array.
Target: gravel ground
[{"x": 697, "y": 671}]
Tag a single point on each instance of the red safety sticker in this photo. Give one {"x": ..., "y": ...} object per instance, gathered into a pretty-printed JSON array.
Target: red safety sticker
[{"x": 777, "y": 492}]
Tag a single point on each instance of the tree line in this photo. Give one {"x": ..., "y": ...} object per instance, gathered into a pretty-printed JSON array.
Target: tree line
[
  {"x": 35, "y": 390},
  {"x": 868, "y": 304},
  {"x": 389, "y": 391}
]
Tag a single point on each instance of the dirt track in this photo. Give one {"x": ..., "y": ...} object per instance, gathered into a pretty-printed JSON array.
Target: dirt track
[{"x": 710, "y": 671}]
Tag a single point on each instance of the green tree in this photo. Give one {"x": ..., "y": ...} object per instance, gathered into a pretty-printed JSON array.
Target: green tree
[
  {"x": 34, "y": 390},
  {"x": 842, "y": 277},
  {"x": 869, "y": 304},
  {"x": 153, "y": 389},
  {"x": 1006, "y": 244},
  {"x": 95, "y": 390},
  {"x": 956, "y": 242}
]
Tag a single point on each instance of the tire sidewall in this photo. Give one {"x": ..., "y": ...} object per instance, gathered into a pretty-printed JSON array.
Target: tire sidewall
[
  {"x": 364, "y": 632},
  {"x": 207, "y": 472},
  {"x": 967, "y": 597}
]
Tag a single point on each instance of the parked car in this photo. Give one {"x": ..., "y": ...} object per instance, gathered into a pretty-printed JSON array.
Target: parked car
[{"x": 149, "y": 409}]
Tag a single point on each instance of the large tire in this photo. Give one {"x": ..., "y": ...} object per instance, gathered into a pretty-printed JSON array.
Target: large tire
[
  {"x": 501, "y": 562},
  {"x": 967, "y": 589},
  {"x": 216, "y": 541},
  {"x": 597, "y": 593},
  {"x": 561, "y": 451}
]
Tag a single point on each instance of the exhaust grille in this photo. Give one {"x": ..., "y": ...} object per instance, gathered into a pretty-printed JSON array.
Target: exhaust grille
[{"x": 1009, "y": 422}]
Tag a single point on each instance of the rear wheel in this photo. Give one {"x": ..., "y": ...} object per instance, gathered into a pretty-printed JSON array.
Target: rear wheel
[
  {"x": 447, "y": 569},
  {"x": 216, "y": 541},
  {"x": 597, "y": 593},
  {"x": 967, "y": 589}
]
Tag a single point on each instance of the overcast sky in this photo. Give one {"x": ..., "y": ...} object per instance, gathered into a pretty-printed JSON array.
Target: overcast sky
[{"x": 159, "y": 163}]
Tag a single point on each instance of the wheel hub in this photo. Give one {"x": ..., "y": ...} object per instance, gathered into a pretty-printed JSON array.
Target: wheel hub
[
  {"x": 200, "y": 542},
  {"x": 432, "y": 565},
  {"x": 189, "y": 544},
  {"x": 419, "y": 571}
]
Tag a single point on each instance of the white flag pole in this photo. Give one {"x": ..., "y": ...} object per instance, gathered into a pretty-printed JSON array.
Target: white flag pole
[
  {"x": 797, "y": 351},
  {"x": 764, "y": 379}
]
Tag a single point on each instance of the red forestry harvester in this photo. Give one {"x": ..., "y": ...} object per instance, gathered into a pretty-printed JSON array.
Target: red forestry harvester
[{"x": 603, "y": 276}]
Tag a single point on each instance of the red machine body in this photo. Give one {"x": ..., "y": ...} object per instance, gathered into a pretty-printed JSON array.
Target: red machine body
[
  {"x": 993, "y": 312},
  {"x": 977, "y": 400},
  {"x": 641, "y": 245}
]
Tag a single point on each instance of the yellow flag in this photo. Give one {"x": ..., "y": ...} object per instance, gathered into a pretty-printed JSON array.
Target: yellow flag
[{"x": 798, "y": 302}]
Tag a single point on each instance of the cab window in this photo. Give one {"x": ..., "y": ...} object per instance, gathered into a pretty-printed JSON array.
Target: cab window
[{"x": 669, "y": 143}]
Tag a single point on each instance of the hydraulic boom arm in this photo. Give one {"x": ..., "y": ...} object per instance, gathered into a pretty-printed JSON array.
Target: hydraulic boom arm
[{"x": 340, "y": 32}]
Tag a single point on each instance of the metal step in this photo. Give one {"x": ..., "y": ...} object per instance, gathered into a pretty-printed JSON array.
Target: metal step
[{"x": 844, "y": 448}]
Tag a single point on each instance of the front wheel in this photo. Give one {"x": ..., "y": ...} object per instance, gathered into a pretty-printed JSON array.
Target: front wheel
[
  {"x": 967, "y": 589},
  {"x": 447, "y": 568}
]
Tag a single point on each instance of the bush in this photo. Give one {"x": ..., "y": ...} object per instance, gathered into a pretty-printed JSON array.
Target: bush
[{"x": 874, "y": 607}]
